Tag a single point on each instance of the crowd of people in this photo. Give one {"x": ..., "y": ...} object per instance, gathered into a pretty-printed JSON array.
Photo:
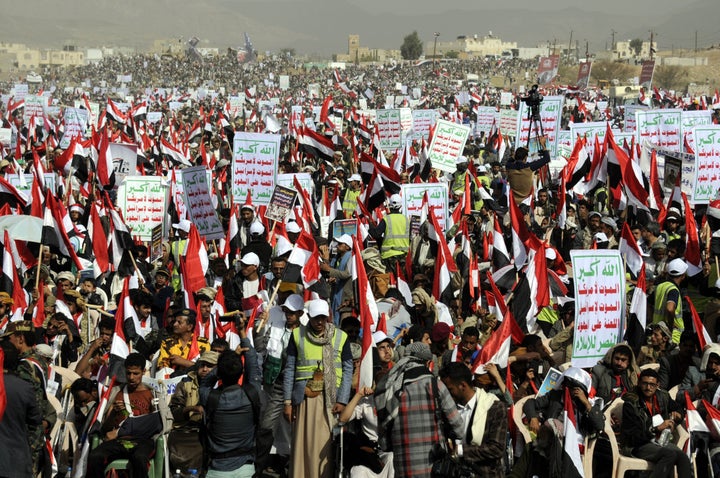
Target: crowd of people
[{"x": 266, "y": 375}]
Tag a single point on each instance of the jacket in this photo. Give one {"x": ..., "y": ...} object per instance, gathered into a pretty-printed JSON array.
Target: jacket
[
  {"x": 551, "y": 405},
  {"x": 603, "y": 377},
  {"x": 636, "y": 428}
]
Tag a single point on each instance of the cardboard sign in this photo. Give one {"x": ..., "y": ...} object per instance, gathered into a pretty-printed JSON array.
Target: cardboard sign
[
  {"x": 200, "y": 210},
  {"x": 143, "y": 202},
  {"x": 281, "y": 203},
  {"x": 447, "y": 145}
]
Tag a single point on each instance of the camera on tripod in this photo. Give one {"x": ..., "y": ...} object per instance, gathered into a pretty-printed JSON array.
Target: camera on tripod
[{"x": 533, "y": 100}]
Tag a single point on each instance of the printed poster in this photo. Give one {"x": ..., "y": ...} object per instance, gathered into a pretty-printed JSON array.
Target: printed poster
[
  {"x": 200, "y": 209},
  {"x": 255, "y": 159},
  {"x": 143, "y": 202},
  {"x": 447, "y": 145},
  {"x": 412, "y": 195},
  {"x": 707, "y": 162},
  {"x": 599, "y": 304}
]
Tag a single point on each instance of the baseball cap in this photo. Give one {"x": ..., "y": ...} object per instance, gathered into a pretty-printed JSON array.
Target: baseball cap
[
  {"x": 380, "y": 336},
  {"x": 293, "y": 227},
  {"x": 600, "y": 237},
  {"x": 355, "y": 177},
  {"x": 250, "y": 259},
  {"x": 209, "y": 357},
  {"x": 461, "y": 160},
  {"x": 594, "y": 213},
  {"x": 673, "y": 213},
  {"x": 294, "y": 302},
  {"x": 344, "y": 239},
  {"x": 257, "y": 228},
  {"x": 608, "y": 221},
  {"x": 677, "y": 267},
  {"x": 183, "y": 225},
  {"x": 395, "y": 200},
  {"x": 318, "y": 307},
  {"x": 18, "y": 326}
]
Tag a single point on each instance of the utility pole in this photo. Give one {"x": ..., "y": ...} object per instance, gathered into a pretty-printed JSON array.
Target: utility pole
[
  {"x": 652, "y": 50},
  {"x": 437, "y": 34},
  {"x": 587, "y": 50},
  {"x": 570, "y": 44},
  {"x": 554, "y": 46},
  {"x": 613, "y": 32},
  {"x": 696, "y": 42}
]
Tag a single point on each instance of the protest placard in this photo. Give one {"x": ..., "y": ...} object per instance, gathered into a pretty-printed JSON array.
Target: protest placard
[
  {"x": 487, "y": 116},
  {"x": 344, "y": 226},
  {"x": 154, "y": 117},
  {"x": 156, "y": 239},
  {"x": 21, "y": 90},
  {"x": 304, "y": 179},
  {"x": 76, "y": 120},
  {"x": 24, "y": 183},
  {"x": 124, "y": 158},
  {"x": 200, "y": 209},
  {"x": 660, "y": 127},
  {"x": 34, "y": 107},
  {"x": 143, "y": 202},
  {"x": 707, "y": 163},
  {"x": 281, "y": 203},
  {"x": 5, "y": 136},
  {"x": 599, "y": 304},
  {"x": 550, "y": 110},
  {"x": 646, "y": 74},
  {"x": 254, "y": 168},
  {"x": 508, "y": 122},
  {"x": 389, "y": 129},
  {"x": 564, "y": 143},
  {"x": 691, "y": 119},
  {"x": 630, "y": 126},
  {"x": 412, "y": 195},
  {"x": 423, "y": 121},
  {"x": 447, "y": 145},
  {"x": 551, "y": 382}
]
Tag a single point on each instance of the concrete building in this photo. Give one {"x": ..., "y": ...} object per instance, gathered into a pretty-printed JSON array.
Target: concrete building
[
  {"x": 623, "y": 51},
  {"x": 358, "y": 54},
  {"x": 470, "y": 46}
]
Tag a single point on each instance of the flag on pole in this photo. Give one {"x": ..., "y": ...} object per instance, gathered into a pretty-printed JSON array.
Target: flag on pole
[{"x": 572, "y": 461}]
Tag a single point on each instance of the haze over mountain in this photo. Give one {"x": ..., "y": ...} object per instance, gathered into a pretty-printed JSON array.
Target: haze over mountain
[{"x": 322, "y": 26}]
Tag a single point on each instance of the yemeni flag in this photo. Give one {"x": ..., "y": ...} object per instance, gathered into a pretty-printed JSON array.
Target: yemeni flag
[
  {"x": 101, "y": 261},
  {"x": 402, "y": 285},
  {"x": 444, "y": 263},
  {"x": 692, "y": 241},
  {"x": 495, "y": 299},
  {"x": 702, "y": 333},
  {"x": 367, "y": 320},
  {"x": 38, "y": 315},
  {"x": 390, "y": 178},
  {"x": 693, "y": 420},
  {"x": 11, "y": 281},
  {"x": 572, "y": 461},
  {"x": 578, "y": 165},
  {"x": 635, "y": 332},
  {"x": 53, "y": 232},
  {"x": 655, "y": 200},
  {"x": 10, "y": 194},
  {"x": 93, "y": 427},
  {"x": 173, "y": 153},
  {"x": 497, "y": 349},
  {"x": 520, "y": 234},
  {"x": 195, "y": 261},
  {"x": 500, "y": 255},
  {"x": 120, "y": 347},
  {"x": 104, "y": 165},
  {"x": 114, "y": 112},
  {"x": 630, "y": 250},
  {"x": 374, "y": 195},
  {"x": 315, "y": 145},
  {"x": 713, "y": 417},
  {"x": 303, "y": 265},
  {"x": 537, "y": 280},
  {"x": 621, "y": 169}
]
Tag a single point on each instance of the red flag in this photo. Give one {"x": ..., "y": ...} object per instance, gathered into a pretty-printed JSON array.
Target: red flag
[
  {"x": 304, "y": 262},
  {"x": 39, "y": 312},
  {"x": 692, "y": 241},
  {"x": 702, "y": 333},
  {"x": 366, "y": 316},
  {"x": 693, "y": 420},
  {"x": 10, "y": 276},
  {"x": 196, "y": 262},
  {"x": 119, "y": 346},
  {"x": 572, "y": 439},
  {"x": 105, "y": 168},
  {"x": 630, "y": 250},
  {"x": 497, "y": 349}
]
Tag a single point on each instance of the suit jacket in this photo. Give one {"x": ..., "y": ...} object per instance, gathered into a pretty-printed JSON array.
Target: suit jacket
[{"x": 486, "y": 459}]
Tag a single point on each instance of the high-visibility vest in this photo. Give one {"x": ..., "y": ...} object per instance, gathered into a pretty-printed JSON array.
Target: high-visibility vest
[
  {"x": 310, "y": 355},
  {"x": 396, "y": 241},
  {"x": 349, "y": 203},
  {"x": 661, "y": 294}
]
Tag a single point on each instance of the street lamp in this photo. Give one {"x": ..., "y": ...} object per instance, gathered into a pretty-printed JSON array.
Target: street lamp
[{"x": 437, "y": 34}]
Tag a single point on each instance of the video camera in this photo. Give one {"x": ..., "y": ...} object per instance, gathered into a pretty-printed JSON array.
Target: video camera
[{"x": 533, "y": 100}]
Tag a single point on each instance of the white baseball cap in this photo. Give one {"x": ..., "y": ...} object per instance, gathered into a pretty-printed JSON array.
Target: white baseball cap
[
  {"x": 355, "y": 177},
  {"x": 318, "y": 307},
  {"x": 396, "y": 201},
  {"x": 294, "y": 302},
  {"x": 380, "y": 336},
  {"x": 183, "y": 225},
  {"x": 257, "y": 228},
  {"x": 293, "y": 227},
  {"x": 345, "y": 239},
  {"x": 677, "y": 267},
  {"x": 250, "y": 259}
]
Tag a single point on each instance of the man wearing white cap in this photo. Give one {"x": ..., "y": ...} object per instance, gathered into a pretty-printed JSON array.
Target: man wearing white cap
[
  {"x": 259, "y": 245},
  {"x": 393, "y": 234},
  {"x": 245, "y": 291},
  {"x": 339, "y": 271},
  {"x": 271, "y": 338},
  {"x": 668, "y": 303},
  {"x": 179, "y": 245},
  {"x": 352, "y": 192},
  {"x": 316, "y": 385}
]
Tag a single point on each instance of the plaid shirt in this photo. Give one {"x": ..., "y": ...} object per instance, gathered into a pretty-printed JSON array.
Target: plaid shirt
[
  {"x": 486, "y": 458},
  {"x": 416, "y": 430}
]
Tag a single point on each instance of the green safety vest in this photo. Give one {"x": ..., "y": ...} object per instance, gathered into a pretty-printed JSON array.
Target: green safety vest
[
  {"x": 310, "y": 355},
  {"x": 397, "y": 238},
  {"x": 349, "y": 203},
  {"x": 661, "y": 294}
]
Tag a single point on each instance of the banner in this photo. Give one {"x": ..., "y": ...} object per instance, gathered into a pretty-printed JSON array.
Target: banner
[
  {"x": 281, "y": 203},
  {"x": 34, "y": 107},
  {"x": 412, "y": 195},
  {"x": 707, "y": 162},
  {"x": 550, "y": 111},
  {"x": 660, "y": 127},
  {"x": 599, "y": 304},
  {"x": 143, "y": 202},
  {"x": 255, "y": 165},
  {"x": 584, "y": 75},
  {"x": 646, "y": 74},
  {"x": 447, "y": 145},
  {"x": 547, "y": 69},
  {"x": 508, "y": 122},
  {"x": 389, "y": 129},
  {"x": 21, "y": 91},
  {"x": 486, "y": 117},
  {"x": 423, "y": 121},
  {"x": 24, "y": 184},
  {"x": 124, "y": 158},
  {"x": 76, "y": 120},
  {"x": 691, "y": 119},
  {"x": 630, "y": 124},
  {"x": 200, "y": 209},
  {"x": 304, "y": 179}
]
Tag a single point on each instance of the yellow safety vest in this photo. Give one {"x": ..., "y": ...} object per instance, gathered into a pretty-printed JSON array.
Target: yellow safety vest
[
  {"x": 661, "y": 294},
  {"x": 349, "y": 203},
  {"x": 310, "y": 355},
  {"x": 397, "y": 237}
]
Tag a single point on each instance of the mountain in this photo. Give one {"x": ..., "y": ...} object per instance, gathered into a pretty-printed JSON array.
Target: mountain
[{"x": 322, "y": 26}]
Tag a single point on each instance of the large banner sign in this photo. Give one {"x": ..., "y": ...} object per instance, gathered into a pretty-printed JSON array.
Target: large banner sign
[
  {"x": 389, "y": 127},
  {"x": 584, "y": 75},
  {"x": 548, "y": 69},
  {"x": 447, "y": 145},
  {"x": 255, "y": 159},
  {"x": 707, "y": 162},
  {"x": 599, "y": 304},
  {"x": 412, "y": 195},
  {"x": 660, "y": 127},
  {"x": 143, "y": 202}
]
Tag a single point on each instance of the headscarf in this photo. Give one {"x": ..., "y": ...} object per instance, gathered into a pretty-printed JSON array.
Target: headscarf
[{"x": 328, "y": 361}]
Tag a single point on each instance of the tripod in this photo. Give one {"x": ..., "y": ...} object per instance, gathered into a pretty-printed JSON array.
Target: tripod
[{"x": 535, "y": 120}]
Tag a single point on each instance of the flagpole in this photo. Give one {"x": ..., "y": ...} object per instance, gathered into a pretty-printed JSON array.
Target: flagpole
[
  {"x": 67, "y": 185},
  {"x": 37, "y": 273},
  {"x": 270, "y": 301}
]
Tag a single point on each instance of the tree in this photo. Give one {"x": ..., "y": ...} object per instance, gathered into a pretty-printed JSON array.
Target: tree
[
  {"x": 412, "y": 47},
  {"x": 611, "y": 70},
  {"x": 452, "y": 54},
  {"x": 636, "y": 45},
  {"x": 670, "y": 77},
  {"x": 287, "y": 52}
]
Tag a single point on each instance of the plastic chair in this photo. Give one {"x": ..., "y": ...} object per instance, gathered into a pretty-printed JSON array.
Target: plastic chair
[
  {"x": 156, "y": 465},
  {"x": 621, "y": 463},
  {"x": 68, "y": 375},
  {"x": 674, "y": 391}
]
